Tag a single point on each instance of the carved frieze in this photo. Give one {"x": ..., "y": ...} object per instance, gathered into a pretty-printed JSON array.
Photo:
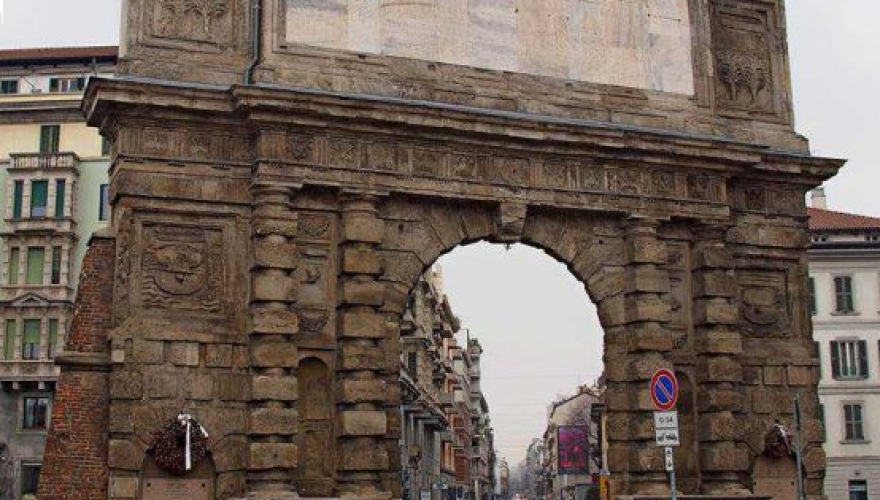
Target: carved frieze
[
  {"x": 770, "y": 199},
  {"x": 188, "y": 145},
  {"x": 764, "y": 303}
]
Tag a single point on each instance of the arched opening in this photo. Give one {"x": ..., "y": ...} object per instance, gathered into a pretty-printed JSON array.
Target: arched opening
[{"x": 315, "y": 429}]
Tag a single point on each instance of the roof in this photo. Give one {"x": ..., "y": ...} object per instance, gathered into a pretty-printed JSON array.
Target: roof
[
  {"x": 56, "y": 55},
  {"x": 829, "y": 220}
]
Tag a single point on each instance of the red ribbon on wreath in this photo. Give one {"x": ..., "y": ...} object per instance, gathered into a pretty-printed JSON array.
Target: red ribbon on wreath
[{"x": 181, "y": 445}]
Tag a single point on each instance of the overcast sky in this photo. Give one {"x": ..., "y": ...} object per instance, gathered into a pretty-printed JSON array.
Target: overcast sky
[{"x": 539, "y": 331}]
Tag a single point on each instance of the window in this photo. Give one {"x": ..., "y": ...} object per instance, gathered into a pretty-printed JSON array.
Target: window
[
  {"x": 50, "y": 137},
  {"x": 811, "y": 292},
  {"x": 858, "y": 490},
  {"x": 30, "y": 345},
  {"x": 8, "y": 86},
  {"x": 849, "y": 359},
  {"x": 104, "y": 203},
  {"x": 17, "y": 194},
  {"x": 60, "y": 191},
  {"x": 105, "y": 147},
  {"x": 56, "y": 266},
  {"x": 853, "y": 419},
  {"x": 412, "y": 364},
  {"x": 75, "y": 84},
  {"x": 30, "y": 475},
  {"x": 843, "y": 294},
  {"x": 36, "y": 412},
  {"x": 9, "y": 340},
  {"x": 39, "y": 198},
  {"x": 36, "y": 257},
  {"x": 818, "y": 347},
  {"x": 12, "y": 271},
  {"x": 53, "y": 337}
]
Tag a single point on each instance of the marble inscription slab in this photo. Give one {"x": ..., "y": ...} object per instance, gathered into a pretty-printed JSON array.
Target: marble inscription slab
[
  {"x": 642, "y": 44},
  {"x": 177, "y": 488}
]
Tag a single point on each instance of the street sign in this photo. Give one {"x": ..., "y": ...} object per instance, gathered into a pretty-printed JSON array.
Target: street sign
[
  {"x": 666, "y": 428},
  {"x": 670, "y": 464},
  {"x": 664, "y": 389}
]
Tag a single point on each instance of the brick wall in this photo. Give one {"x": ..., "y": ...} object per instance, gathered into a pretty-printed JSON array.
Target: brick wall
[{"x": 75, "y": 460}]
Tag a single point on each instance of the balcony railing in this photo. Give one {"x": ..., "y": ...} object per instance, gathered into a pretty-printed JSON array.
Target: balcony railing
[{"x": 42, "y": 161}]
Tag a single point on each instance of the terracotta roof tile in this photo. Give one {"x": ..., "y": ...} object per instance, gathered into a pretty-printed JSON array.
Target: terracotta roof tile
[
  {"x": 54, "y": 53},
  {"x": 829, "y": 220}
]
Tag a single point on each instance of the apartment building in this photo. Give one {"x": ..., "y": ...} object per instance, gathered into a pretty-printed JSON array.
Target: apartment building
[
  {"x": 844, "y": 284},
  {"x": 53, "y": 173}
]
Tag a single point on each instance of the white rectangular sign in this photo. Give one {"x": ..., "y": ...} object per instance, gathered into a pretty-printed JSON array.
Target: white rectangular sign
[
  {"x": 667, "y": 437},
  {"x": 666, "y": 420},
  {"x": 670, "y": 463}
]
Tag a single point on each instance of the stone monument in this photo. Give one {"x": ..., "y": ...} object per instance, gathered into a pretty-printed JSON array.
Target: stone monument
[{"x": 284, "y": 170}]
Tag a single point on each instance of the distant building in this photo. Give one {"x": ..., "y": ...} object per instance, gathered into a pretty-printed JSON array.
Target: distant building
[
  {"x": 53, "y": 171},
  {"x": 844, "y": 285}
]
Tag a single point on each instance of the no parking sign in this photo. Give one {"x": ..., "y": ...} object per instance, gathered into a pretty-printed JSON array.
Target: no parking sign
[{"x": 664, "y": 389}]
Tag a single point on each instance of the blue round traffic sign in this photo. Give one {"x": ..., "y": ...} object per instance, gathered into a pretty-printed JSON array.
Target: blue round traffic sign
[{"x": 664, "y": 389}]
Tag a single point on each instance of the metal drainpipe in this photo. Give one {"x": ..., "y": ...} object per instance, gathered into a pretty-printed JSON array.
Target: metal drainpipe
[{"x": 256, "y": 23}]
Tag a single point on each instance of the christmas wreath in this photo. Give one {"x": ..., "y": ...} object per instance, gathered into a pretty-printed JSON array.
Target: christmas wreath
[
  {"x": 180, "y": 445},
  {"x": 777, "y": 441}
]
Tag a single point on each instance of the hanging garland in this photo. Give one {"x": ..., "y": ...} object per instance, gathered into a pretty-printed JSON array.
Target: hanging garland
[{"x": 180, "y": 446}]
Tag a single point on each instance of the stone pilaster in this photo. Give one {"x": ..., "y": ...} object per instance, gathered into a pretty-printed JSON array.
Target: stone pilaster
[
  {"x": 724, "y": 460},
  {"x": 273, "y": 418},
  {"x": 362, "y": 420},
  {"x": 647, "y": 342}
]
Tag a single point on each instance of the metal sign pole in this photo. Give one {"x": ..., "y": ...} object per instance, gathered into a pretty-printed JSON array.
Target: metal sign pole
[
  {"x": 798, "y": 447},
  {"x": 670, "y": 467}
]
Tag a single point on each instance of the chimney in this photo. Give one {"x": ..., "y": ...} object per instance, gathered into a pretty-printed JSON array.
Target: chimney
[{"x": 818, "y": 199}]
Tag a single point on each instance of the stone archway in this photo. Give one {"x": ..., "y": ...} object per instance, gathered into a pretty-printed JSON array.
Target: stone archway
[{"x": 286, "y": 219}]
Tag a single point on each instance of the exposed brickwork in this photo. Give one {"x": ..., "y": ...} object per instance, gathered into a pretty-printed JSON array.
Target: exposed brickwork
[{"x": 75, "y": 461}]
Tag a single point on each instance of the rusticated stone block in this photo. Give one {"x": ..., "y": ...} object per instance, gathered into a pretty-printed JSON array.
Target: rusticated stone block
[
  {"x": 231, "y": 485},
  {"x": 232, "y": 386},
  {"x": 277, "y": 320},
  {"x": 647, "y": 308},
  {"x": 264, "y": 456},
  {"x": 647, "y": 458},
  {"x": 363, "y": 391},
  {"x": 713, "y": 256},
  {"x": 362, "y": 261},
  {"x": 183, "y": 353},
  {"x": 774, "y": 375},
  {"x": 723, "y": 457},
  {"x": 721, "y": 426},
  {"x": 649, "y": 338},
  {"x": 231, "y": 453},
  {"x": 274, "y": 388},
  {"x": 274, "y": 355},
  {"x": 198, "y": 387},
  {"x": 772, "y": 400},
  {"x": 371, "y": 293},
  {"x": 720, "y": 341},
  {"x": 355, "y": 357},
  {"x": 123, "y": 486},
  {"x": 618, "y": 398},
  {"x": 814, "y": 459},
  {"x": 363, "y": 454},
  {"x": 363, "y": 229},
  {"x": 643, "y": 366},
  {"x": 126, "y": 385},
  {"x": 162, "y": 385},
  {"x": 606, "y": 282},
  {"x": 218, "y": 355},
  {"x": 120, "y": 417},
  {"x": 714, "y": 283},
  {"x": 278, "y": 421},
  {"x": 618, "y": 453},
  {"x": 648, "y": 279},
  {"x": 641, "y": 427},
  {"x": 363, "y": 423},
  {"x": 275, "y": 254},
  {"x": 722, "y": 369},
  {"x": 123, "y": 454},
  {"x": 646, "y": 250},
  {"x": 752, "y": 375},
  {"x": 612, "y": 311},
  {"x": 721, "y": 400},
  {"x": 363, "y": 325},
  {"x": 282, "y": 227},
  {"x": 717, "y": 311},
  {"x": 148, "y": 352},
  {"x": 801, "y": 375},
  {"x": 274, "y": 285}
]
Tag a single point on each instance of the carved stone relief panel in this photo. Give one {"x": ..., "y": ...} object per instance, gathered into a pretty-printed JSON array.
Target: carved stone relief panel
[
  {"x": 678, "y": 264},
  {"x": 770, "y": 199},
  {"x": 180, "y": 144},
  {"x": 213, "y": 26},
  {"x": 764, "y": 303},
  {"x": 316, "y": 274},
  {"x": 745, "y": 42}
]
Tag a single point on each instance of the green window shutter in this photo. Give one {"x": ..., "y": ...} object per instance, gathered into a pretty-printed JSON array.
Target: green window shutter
[
  {"x": 60, "y": 192},
  {"x": 811, "y": 290},
  {"x": 39, "y": 198},
  {"x": 822, "y": 422},
  {"x": 18, "y": 193},
  {"x": 835, "y": 360},
  {"x": 53, "y": 337},
  {"x": 9, "y": 341},
  {"x": 818, "y": 346},
  {"x": 56, "y": 266},
  {"x": 36, "y": 259},
  {"x": 14, "y": 257},
  {"x": 30, "y": 346},
  {"x": 49, "y": 138},
  {"x": 863, "y": 359}
]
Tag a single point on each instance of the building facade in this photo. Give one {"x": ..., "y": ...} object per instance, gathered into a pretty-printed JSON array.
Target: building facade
[
  {"x": 446, "y": 446},
  {"x": 844, "y": 283},
  {"x": 53, "y": 173}
]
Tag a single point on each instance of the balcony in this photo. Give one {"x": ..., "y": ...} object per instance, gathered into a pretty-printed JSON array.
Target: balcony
[
  {"x": 43, "y": 161},
  {"x": 43, "y": 370}
]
